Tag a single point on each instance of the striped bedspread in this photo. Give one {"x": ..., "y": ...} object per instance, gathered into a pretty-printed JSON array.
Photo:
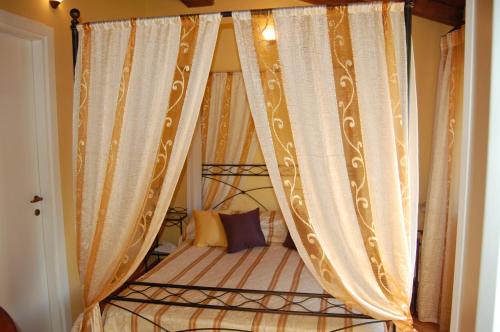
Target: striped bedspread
[{"x": 268, "y": 268}]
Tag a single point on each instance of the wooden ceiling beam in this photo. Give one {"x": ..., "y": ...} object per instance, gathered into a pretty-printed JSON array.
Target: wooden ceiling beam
[
  {"x": 440, "y": 11},
  {"x": 335, "y": 2},
  {"x": 198, "y": 3},
  {"x": 449, "y": 12}
]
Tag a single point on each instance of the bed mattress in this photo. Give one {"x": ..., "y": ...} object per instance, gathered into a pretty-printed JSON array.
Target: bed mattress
[{"x": 267, "y": 268}]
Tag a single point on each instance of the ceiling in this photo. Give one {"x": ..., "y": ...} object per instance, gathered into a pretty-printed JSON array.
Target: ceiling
[{"x": 449, "y": 12}]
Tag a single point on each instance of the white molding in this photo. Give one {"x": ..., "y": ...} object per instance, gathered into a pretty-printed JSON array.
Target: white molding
[
  {"x": 465, "y": 166},
  {"x": 488, "y": 306},
  {"x": 42, "y": 39}
]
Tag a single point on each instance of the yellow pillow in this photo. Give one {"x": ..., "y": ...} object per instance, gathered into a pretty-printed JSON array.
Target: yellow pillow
[{"x": 209, "y": 229}]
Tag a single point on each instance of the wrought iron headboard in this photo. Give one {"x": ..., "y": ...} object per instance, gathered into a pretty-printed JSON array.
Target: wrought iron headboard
[{"x": 218, "y": 172}]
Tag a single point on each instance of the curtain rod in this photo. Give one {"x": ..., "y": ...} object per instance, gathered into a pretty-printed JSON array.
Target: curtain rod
[
  {"x": 75, "y": 16},
  {"x": 409, "y": 4},
  {"x": 75, "y": 13}
]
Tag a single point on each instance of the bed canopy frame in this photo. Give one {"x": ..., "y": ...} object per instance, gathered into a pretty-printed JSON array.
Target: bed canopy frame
[
  {"x": 408, "y": 8},
  {"x": 250, "y": 300},
  {"x": 409, "y": 5}
]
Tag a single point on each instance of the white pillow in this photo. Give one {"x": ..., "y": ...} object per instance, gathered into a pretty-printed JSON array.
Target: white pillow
[{"x": 273, "y": 226}]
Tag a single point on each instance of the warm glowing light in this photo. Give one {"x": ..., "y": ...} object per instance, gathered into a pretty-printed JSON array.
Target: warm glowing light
[
  {"x": 55, "y": 3},
  {"x": 268, "y": 33}
]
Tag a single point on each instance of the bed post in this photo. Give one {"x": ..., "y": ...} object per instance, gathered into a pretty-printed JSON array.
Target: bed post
[{"x": 75, "y": 15}]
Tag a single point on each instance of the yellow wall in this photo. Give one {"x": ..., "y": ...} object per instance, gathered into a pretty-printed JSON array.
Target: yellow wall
[
  {"x": 426, "y": 46},
  {"x": 426, "y": 39}
]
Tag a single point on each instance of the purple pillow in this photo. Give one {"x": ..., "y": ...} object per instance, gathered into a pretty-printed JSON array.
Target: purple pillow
[
  {"x": 289, "y": 242},
  {"x": 243, "y": 230}
]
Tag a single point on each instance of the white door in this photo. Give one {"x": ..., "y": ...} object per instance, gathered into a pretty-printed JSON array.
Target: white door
[{"x": 23, "y": 274}]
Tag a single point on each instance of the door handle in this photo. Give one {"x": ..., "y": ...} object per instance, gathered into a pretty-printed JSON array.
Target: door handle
[{"x": 36, "y": 199}]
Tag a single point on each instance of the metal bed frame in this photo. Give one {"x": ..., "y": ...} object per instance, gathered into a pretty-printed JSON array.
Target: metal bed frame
[
  {"x": 219, "y": 172},
  {"x": 175, "y": 294},
  {"x": 175, "y": 217},
  {"x": 248, "y": 300}
]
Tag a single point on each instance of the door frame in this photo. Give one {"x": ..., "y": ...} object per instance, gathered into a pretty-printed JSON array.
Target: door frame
[
  {"x": 488, "y": 308},
  {"x": 42, "y": 40},
  {"x": 478, "y": 247},
  {"x": 465, "y": 170}
]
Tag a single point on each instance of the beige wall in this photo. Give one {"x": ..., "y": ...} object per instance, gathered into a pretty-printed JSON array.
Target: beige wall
[{"x": 426, "y": 40}]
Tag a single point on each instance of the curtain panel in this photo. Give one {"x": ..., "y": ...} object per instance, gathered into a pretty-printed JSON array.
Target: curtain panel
[
  {"x": 438, "y": 242},
  {"x": 332, "y": 123},
  {"x": 138, "y": 90},
  {"x": 227, "y": 134}
]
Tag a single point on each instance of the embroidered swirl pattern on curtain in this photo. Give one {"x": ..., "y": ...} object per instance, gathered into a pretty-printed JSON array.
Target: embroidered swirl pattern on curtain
[
  {"x": 279, "y": 122},
  {"x": 127, "y": 161},
  {"x": 296, "y": 87}
]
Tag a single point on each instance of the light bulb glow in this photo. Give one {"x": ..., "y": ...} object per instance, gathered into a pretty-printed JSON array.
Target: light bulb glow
[{"x": 268, "y": 33}]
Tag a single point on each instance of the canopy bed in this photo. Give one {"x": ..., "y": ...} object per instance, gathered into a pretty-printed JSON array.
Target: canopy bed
[{"x": 334, "y": 111}]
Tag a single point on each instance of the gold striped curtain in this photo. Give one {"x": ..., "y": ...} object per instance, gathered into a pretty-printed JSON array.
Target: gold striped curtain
[
  {"x": 438, "y": 242},
  {"x": 227, "y": 135},
  {"x": 333, "y": 126},
  {"x": 138, "y": 90}
]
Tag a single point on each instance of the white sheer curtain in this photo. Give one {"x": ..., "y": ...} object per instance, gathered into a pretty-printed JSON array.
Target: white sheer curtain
[
  {"x": 226, "y": 136},
  {"x": 438, "y": 242},
  {"x": 138, "y": 89},
  {"x": 227, "y": 133},
  {"x": 333, "y": 126}
]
